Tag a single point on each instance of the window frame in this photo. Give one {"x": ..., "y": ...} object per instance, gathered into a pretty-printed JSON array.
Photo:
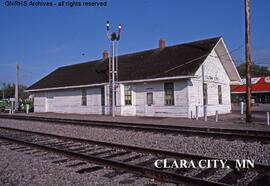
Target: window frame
[
  {"x": 169, "y": 94},
  {"x": 128, "y": 95},
  {"x": 150, "y": 101},
  {"x": 220, "y": 95},
  {"x": 84, "y": 97}
]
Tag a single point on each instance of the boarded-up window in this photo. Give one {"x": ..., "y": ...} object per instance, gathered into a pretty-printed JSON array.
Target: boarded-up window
[
  {"x": 205, "y": 94},
  {"x": 169, "y": 93},
  {"x": 128, "y": 95},
  {"x": 219, "y": 94},
  {"x": 84, "y": 97},
  {"x": 149, "y": 97}
]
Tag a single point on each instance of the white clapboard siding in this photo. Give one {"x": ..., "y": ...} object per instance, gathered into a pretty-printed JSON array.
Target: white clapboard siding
[
  {"x": 39, "y": 102},
  {"x": 127, "y": 110},
  {"x": 139, "y": 105},
  {"x": 214, "y": 75},
  {"x": 69, "y": 101},
  {"x": 188, "y": 93}
]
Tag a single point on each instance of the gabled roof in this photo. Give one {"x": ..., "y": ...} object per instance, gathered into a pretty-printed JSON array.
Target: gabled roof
[
  {"x": 178, "y": 60},
  {"x": 227, "y": 62}
]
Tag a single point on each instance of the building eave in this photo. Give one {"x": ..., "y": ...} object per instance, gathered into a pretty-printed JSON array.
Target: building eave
[
  {"x": 253, "y": 92},
  {"x": 102, "y": 84},
  {"x": 157, "y": 79},
  {"x": 227, "y": 62}
]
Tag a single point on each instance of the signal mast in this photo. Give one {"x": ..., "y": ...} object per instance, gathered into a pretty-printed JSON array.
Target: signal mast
[{"x": 113, "y": 65}]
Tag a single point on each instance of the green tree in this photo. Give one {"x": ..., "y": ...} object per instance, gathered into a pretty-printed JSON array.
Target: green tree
[
  {"x": 9, "y": 91},
  {"x": 256, "y": 70}
]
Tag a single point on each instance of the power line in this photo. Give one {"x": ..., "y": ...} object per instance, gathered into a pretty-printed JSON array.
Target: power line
[
  {"x": 185, "y": 63},
  {"x": 232, "y": 51},
  {"x": 264, "y": 63},
  {"x": 193, "y": 60},
  {"x": 10, "y": 65}
]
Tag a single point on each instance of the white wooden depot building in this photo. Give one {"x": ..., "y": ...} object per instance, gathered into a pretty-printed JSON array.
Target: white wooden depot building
[{"x": 162, "y": 82}]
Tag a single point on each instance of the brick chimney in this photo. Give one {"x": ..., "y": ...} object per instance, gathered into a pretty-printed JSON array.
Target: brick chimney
[
  {"x": 161, "y": 43},
  {"x": 105, "y": 54}
]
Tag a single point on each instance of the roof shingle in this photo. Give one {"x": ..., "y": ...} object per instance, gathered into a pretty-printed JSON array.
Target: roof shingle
[{"x": 178, "y": 60}]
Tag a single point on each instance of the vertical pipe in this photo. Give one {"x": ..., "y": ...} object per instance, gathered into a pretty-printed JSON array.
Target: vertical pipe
[
  {"x": 216, "y": 116},
  {"x": 116, "y": 73},
  {"x": 113, "y": 81},
  {"x": 109, "y": 88},
  {"x": 12, "y": 106},
  {"x": 191, "y": 114},
  {"x": 27, "y": 108},
  {"x": 116, "y": 62},
  {"x": 204, "y": 101},
  {"x": 205, "y": 112},
  {"x": 242, "y": 110},
  {"x": 197, "y": 112},
  {"x": 242, "y": 107},
  {"x": 268, "y": 119},
  {"x": 17, "y": 88}
]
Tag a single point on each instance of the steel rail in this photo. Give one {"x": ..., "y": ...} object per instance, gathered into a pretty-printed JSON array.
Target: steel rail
[
  {"x": 201, "y": 131},
  {"x": 136, "y": 169},
  {"x": 173, "y": 154}
]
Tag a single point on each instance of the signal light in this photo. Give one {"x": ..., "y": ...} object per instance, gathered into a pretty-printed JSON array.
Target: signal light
[
  {"x": 113, "y": 35},
  {"x": 119, "y": 31},
  {"x": 108, "y": 24}
]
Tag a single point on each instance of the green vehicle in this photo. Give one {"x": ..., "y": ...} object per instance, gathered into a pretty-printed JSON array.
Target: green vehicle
[{"x": 4, "y": 105}]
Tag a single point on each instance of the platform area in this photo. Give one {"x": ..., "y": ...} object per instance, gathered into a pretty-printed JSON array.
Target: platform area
[{"x": 227, "y": 121}]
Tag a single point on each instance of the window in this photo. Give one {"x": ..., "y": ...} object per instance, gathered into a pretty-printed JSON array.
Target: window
[
  {"x": 205, "y": 95},
  {"x": 102, "y": 96},
  {"x": 149, "y": 98},
  {"x": 84, "y": 97},
  {"x": 219, "y": 94},
  {"x": 169, "y": 93},
  {"x": 128, "y": 95}
]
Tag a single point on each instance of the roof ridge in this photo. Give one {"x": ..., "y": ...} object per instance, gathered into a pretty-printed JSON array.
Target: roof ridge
[
  {"x": 133, "y": 66},
  {"x": 144, "y": 51}
]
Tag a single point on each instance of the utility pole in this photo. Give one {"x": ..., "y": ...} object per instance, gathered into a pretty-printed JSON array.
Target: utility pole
[
  {"x": 17, "y": 88},
  {"x": 248, "y": 62},
  {"x": 3, "y": 90}
]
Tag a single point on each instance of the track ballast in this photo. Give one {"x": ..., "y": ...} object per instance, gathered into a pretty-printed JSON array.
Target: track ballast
[
  {"x": 231, "y": 134},
  {"x": 109, "y": 154}
]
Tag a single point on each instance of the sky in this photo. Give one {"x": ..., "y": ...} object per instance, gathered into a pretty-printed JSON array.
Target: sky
[{"x": 41, "y": 39}]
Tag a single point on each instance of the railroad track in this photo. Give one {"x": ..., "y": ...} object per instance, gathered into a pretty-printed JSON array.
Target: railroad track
[
  {"x": 250, "y": 135},
  {"x": 137, "y": 160}
]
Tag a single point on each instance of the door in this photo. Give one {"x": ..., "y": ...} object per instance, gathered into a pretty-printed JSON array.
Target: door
[
  {"x": 149, "y": 110},
  {"x": 49, "y": 103}
]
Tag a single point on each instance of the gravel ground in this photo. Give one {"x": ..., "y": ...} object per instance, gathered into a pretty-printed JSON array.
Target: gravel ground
[
  {"x": 207, "y": 146},
  {"x": 40, "y": 168}
]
